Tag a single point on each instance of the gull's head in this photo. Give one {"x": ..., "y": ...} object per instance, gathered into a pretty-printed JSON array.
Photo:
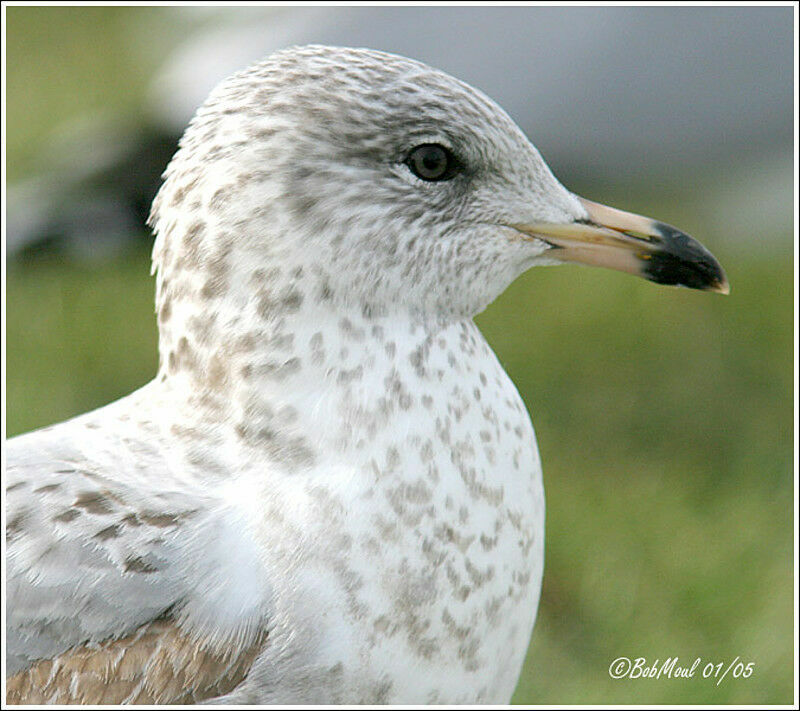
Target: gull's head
[{"x": 369, "y": 180}]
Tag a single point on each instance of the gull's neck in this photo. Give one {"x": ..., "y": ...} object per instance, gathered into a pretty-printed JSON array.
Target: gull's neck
[{"x": 265, "y": 367}]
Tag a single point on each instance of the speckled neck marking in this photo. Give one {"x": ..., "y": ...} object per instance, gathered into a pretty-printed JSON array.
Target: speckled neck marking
[{"x": 280, "y": 344}]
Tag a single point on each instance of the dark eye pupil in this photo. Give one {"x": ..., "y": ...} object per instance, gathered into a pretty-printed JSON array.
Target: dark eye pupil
[{"x": 431, "y": 161}]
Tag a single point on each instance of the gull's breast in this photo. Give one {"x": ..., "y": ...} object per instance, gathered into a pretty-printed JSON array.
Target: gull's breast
[{"x": 423, "y": 538}]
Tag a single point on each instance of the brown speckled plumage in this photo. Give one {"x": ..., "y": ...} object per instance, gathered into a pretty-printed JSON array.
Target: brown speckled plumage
[
  {"x": 331, "y": 491},
  {"x": 158, "y": 664}
]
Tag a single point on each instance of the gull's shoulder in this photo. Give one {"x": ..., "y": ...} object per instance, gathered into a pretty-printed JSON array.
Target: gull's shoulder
[{"x": 112, "y": 555}]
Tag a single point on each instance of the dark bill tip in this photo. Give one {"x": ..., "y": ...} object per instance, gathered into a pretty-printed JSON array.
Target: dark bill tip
[{"x": 679, "y": 260}]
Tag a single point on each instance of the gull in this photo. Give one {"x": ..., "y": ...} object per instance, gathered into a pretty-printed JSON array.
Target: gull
[{"x": 331, "y": 491}]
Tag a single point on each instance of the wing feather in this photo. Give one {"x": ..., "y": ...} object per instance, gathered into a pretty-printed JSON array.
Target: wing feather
[
  {"x": 121, "y": 575},
  {"x": 158, "y": 664}
]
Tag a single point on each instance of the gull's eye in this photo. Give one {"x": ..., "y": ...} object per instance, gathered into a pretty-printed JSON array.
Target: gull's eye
[{"x": 432, "y": 162}]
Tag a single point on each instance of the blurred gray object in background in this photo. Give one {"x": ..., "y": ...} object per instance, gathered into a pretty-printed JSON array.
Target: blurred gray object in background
[
  {"x": 597, "y": 88},
  {"x": 637, "y": 97}
]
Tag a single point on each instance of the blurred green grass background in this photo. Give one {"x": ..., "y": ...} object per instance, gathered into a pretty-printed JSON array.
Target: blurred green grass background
[{"x": 664, "y": 416}]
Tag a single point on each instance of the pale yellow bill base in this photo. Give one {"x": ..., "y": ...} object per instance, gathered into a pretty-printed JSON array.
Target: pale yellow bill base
[{"x": 631, "y": 243}]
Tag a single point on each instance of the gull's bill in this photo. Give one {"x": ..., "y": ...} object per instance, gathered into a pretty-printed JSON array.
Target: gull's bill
[{"x": 620, "y": 240}]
